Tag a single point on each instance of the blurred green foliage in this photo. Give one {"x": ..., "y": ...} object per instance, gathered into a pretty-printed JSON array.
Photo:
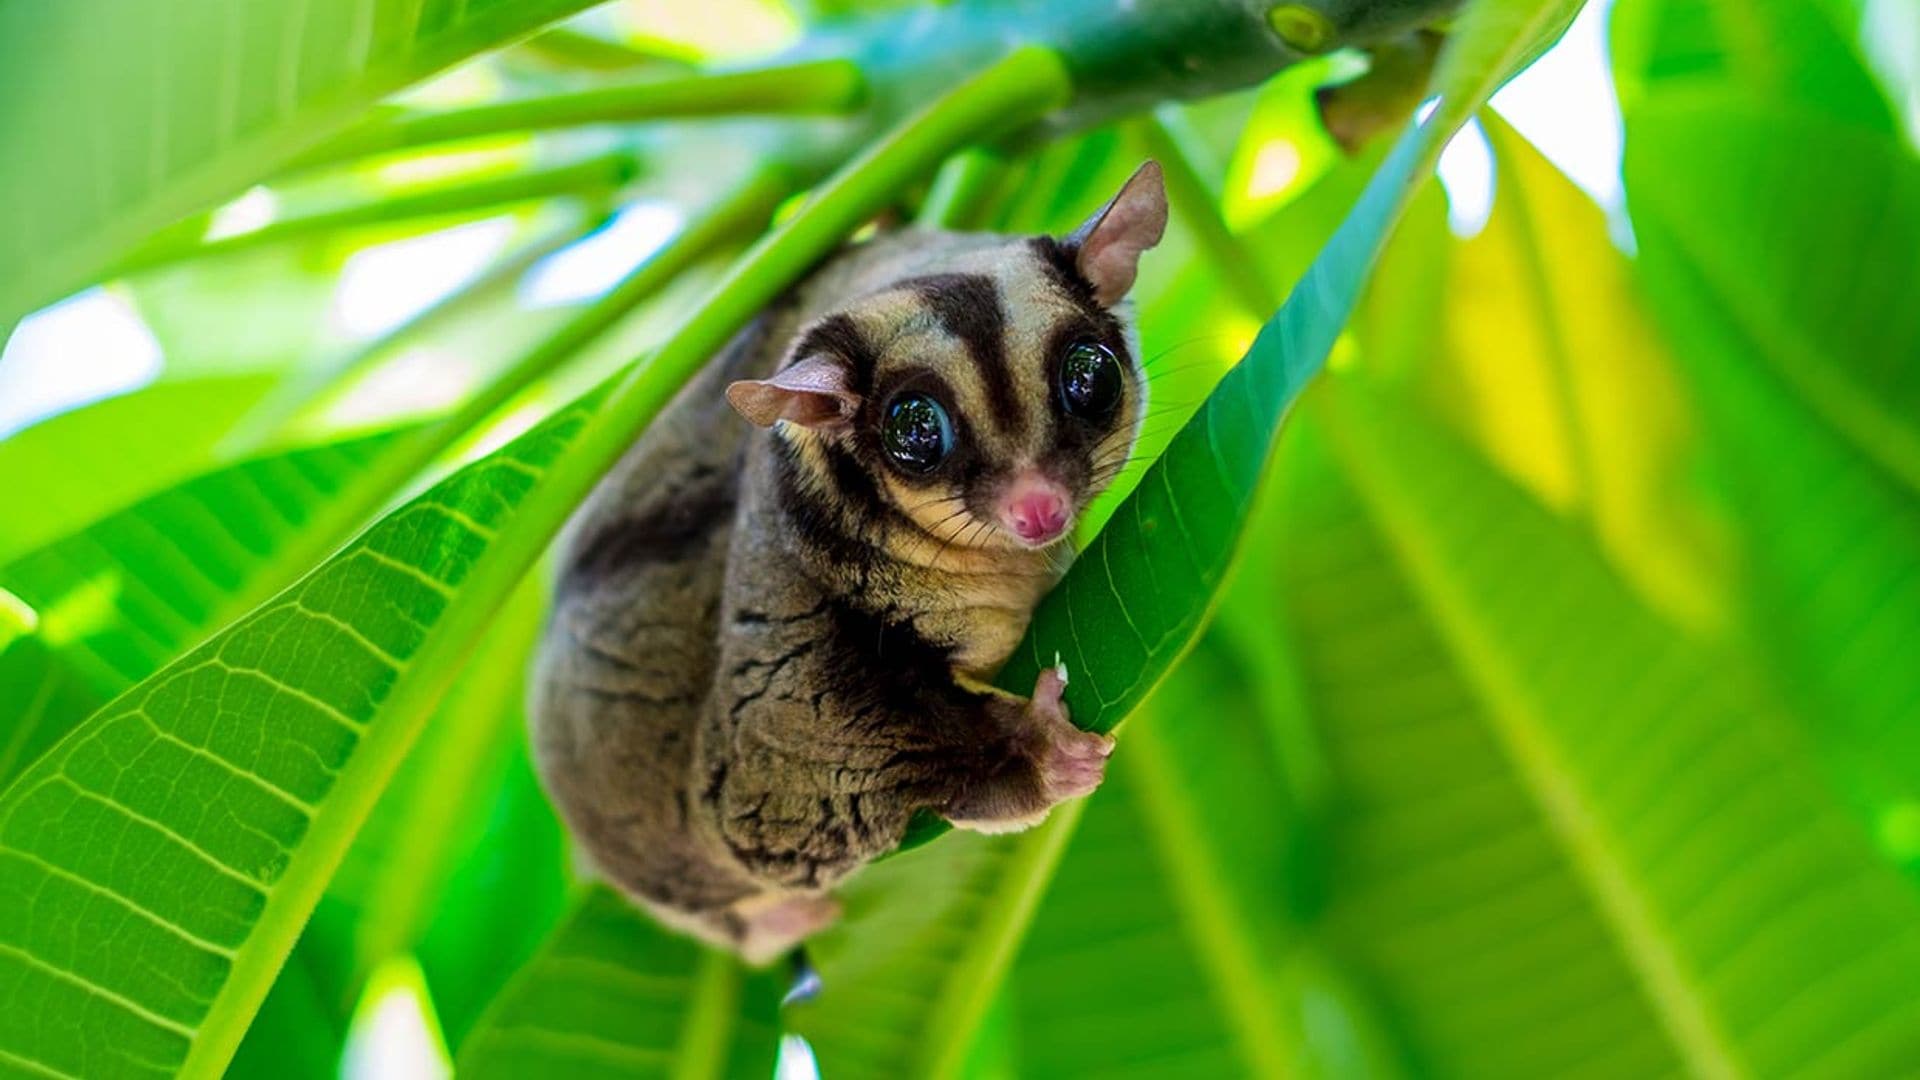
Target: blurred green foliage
[{"x": 1543, "y": 700}]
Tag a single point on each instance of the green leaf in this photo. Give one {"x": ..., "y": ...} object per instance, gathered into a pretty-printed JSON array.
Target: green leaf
[
  {"x": 145, "y": 115},
  {"x": 122, "y": 597},
  {"x": 398, "y": 875},
  {"x": 82, "y": 465},
  {"x": 1169, "y": 943},
  {"x": 1447, "y": 888},
  {"x": 225, "y": 804},
  {"x": 1804, "y": 230},
  {"x": 250, "y": 776},
  {"x": 1830, "y": 533},
  {"x": 1768, "y": 935},
  {"x": 522, "y": 853},
  {"x": 919, "y": 955},
  {"x": 1553, "y": 368},
  {"x": 612, "y": 995},
  {"x": 1787, "y": 52}
]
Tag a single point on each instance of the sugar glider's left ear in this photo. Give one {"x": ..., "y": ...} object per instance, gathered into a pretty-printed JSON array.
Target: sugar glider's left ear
[
  {"x": 1107, "y": 248},
  {"x": 811, "y": 391}
]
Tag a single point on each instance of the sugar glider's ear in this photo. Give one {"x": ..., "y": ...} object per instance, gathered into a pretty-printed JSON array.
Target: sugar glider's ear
[
  {"x": 1107, "y": 248},
  {"x": 812, "y": 391}
]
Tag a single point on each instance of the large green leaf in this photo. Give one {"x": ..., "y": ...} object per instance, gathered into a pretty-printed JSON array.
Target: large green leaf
[
  {"x": 922, "y": 949},
  {"x": 1768, "y": 935},
  {"x": 122, "y": 597},
  {"x": 612, "y": 995},
  {"x": 1805, "y": 231},
  {"x": 521, "y": 853},
  {"x": 1789, "y": 52},
  {"x": 398, "y": 876},
  {"x": 141, "y": 115},
  {"x": 1447, "y": 887},
  {"x": 199, "y": 816},
  {"x": 1170, "y": 942},
  {"x": 64, "y": 472},
  {"x": 1552, "y": 366},
  {"x": 243, "y": 753},
  {"x": 1808, "y": 380}
]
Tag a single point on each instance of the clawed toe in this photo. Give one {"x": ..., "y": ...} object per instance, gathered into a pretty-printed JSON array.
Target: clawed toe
[{"x": 1076, "y": 763}]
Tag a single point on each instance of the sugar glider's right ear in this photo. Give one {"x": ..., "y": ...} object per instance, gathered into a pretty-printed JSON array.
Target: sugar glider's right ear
[
  {"x": 812, "y": 392},
  {"x": 1106, "y": 250}
]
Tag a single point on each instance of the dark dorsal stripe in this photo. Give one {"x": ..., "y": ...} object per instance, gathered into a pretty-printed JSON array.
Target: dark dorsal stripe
[
  {"x": 674, "y": 530},
  {"x": 968, "y": 307}
]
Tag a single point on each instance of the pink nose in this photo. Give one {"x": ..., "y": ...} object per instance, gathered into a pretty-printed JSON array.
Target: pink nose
[{"x": 1037, "y": 512}]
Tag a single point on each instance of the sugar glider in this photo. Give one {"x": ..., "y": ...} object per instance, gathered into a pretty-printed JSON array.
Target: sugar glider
[{"x": 776, "y": 617}]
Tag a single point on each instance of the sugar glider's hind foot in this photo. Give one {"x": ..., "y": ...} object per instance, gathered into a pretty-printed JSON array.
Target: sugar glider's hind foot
[{"x": 770, "y": 926}]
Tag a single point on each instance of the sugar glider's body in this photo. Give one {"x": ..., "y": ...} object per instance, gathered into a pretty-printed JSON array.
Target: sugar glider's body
[{"x": 769, "y": 647}]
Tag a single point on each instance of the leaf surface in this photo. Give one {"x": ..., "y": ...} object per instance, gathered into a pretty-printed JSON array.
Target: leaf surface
[
  {"x": 1769, "y": 936},
  {"x": 122, "y": 597},
  {"x": 612, "y": 995},
  {"x": 1820, "y": 363},
  {"x": 144, "y": 114},
  {"x": 1804, "y": 230},
  {"x": 82, "y": 465}
]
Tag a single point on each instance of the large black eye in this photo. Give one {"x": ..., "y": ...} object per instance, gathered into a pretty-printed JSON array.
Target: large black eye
[
  {"x": 917, "y": 433},
  {"x": 1089, "y": 381}
]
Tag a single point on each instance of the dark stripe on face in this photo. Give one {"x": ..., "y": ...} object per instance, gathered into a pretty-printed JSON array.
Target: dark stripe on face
[
  {"x": 1060, "y": 262},
  {"x": 836, "y": 335},
  {"x": 968, "y": 307},
  {"x": 855, "y": 485}
]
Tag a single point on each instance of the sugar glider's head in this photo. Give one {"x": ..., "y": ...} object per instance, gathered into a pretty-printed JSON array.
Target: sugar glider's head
[{"x": 985, "y": 401}]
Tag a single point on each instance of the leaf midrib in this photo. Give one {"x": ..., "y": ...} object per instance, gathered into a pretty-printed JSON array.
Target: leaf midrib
[
  {"x": 1216, "y": 922},
  {"x": 975, "y": 979},
  {"x": 1591, "y": 848}
]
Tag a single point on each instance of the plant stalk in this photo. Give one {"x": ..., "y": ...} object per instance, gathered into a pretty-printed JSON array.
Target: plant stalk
[
  {"x": 964, "y": 190},
  {"x": 597, "y": 175},
  {"x": 310, "y": 388},
  {"x": 807, "y": 88}
]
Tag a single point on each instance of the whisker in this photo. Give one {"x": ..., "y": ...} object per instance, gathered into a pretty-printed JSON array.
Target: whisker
[
  {"x": 1159, "y": 375},
  {"x": 1184, "y": 343},
  {"x": 934, "y": 502}
]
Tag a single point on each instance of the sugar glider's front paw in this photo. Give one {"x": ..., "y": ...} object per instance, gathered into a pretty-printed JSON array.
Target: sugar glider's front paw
[
  {"x": 1072, "y": 762},
  {"x": 1057, "y": 761}
]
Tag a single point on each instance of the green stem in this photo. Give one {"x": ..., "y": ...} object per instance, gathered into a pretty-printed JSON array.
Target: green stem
[
  {"x": 821, "y": 86},
  {"x": 964, "y": 190},
  {"x": 313, "y": 387},
  {"x": 605, "y": 173},
  {"x": 712, "y": 1009},
  {"x": 1217, "y": 922},
  {"x": 573, "y": 48},
  {"x": 975, "y": 979},
  {"x": 1171, "y": 141},
  {"x": 733, "y": 216}
]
